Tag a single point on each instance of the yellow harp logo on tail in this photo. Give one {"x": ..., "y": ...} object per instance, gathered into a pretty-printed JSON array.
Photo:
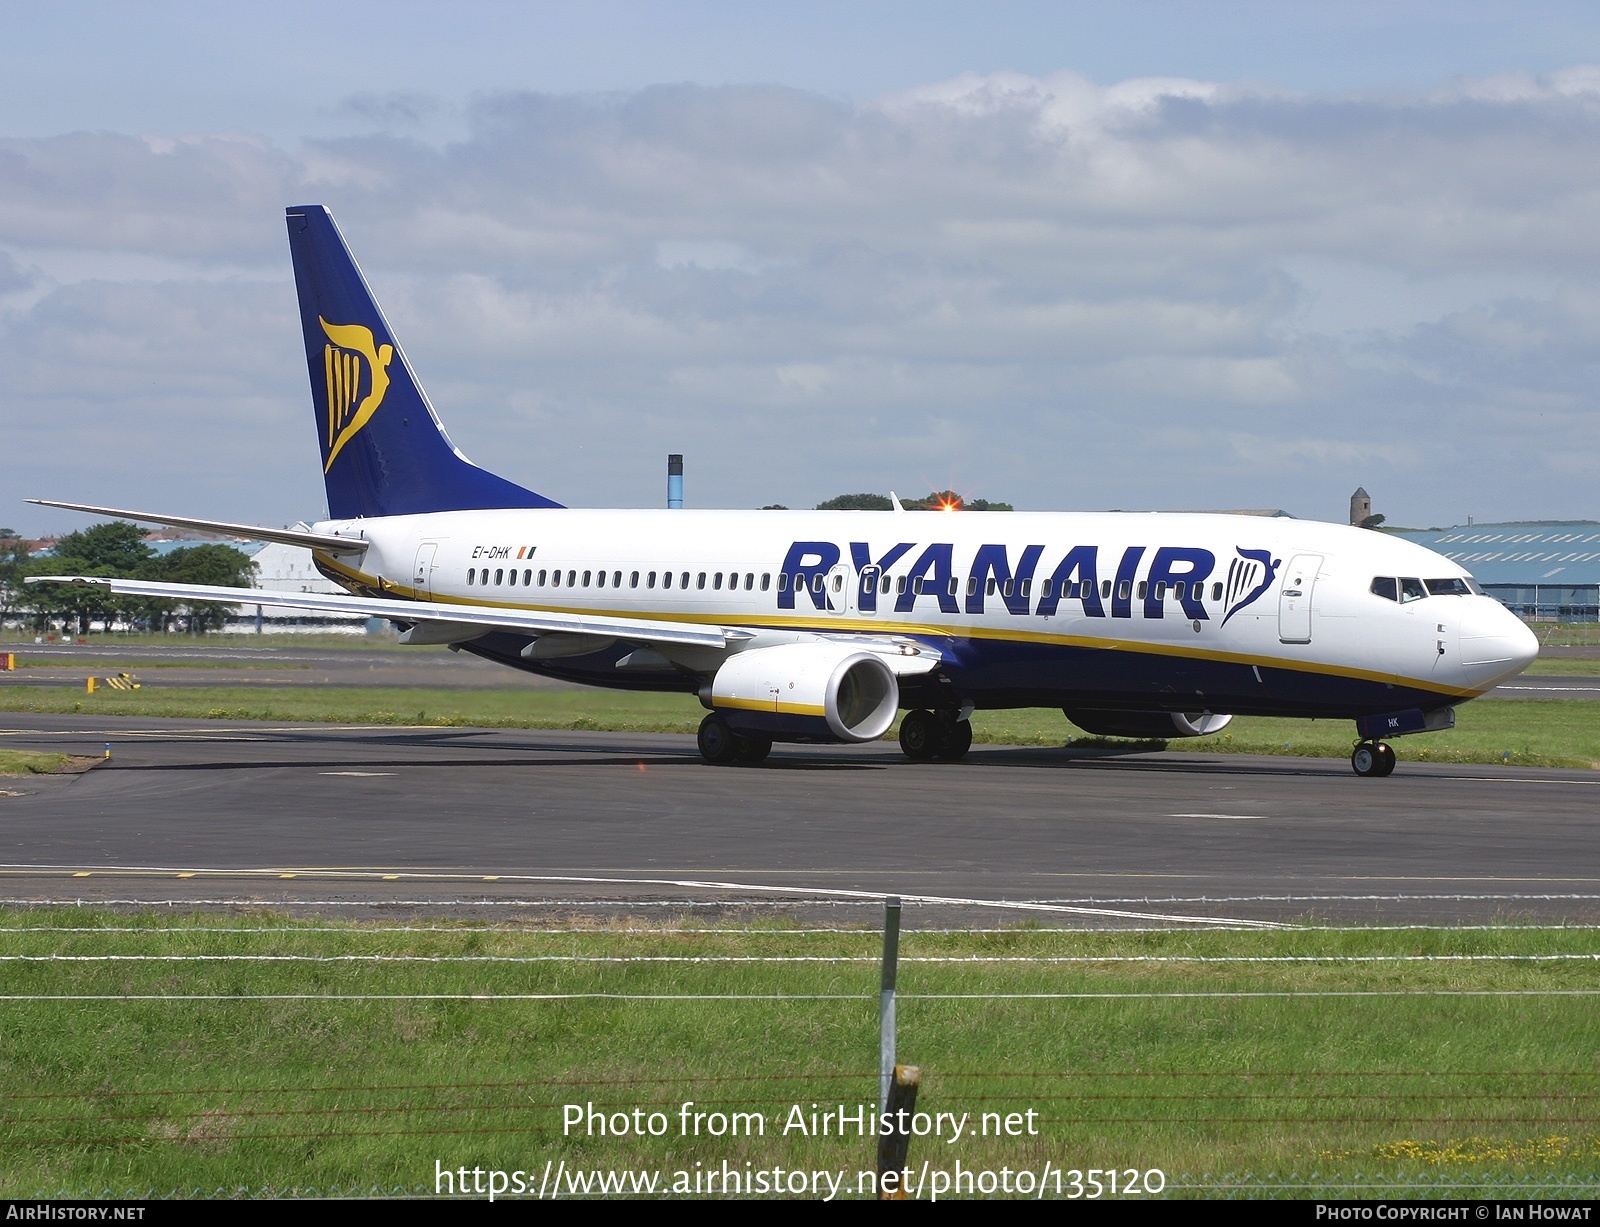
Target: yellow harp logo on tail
[{"x": 352, "y": 348}]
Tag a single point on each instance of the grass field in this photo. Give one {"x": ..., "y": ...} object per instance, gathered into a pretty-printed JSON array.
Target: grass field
[
  {"x": 200, "y": 1063},
  {"x": 1520, "y": 732},
  {"x": 32, "y": 762}
]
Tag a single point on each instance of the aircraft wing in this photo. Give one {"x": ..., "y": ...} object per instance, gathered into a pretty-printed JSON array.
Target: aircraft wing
[
  {"x": 326, "y": 542},
  {"x": 487, "y": 617}
]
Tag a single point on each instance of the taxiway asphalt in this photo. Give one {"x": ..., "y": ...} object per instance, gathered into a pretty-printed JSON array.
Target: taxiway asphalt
[{"x": 537, "y": 823}]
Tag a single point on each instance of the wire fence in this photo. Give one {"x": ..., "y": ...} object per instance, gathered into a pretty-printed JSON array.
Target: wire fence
[{"x": 1505, "y": 1115}]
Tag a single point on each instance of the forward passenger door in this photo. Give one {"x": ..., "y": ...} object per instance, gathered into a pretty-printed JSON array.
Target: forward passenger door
[{"x": 1294, "y": 598}]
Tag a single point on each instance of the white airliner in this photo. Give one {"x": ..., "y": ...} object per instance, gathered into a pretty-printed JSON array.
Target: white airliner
[{"x": 821, "y": 625}]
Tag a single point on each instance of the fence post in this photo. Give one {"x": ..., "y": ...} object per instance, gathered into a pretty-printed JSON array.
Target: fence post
[
  {"x": 891, "y": 963},
  {"x": 893, "y": 1145}
]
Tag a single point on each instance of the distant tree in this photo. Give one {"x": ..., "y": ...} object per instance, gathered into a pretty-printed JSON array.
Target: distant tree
[
  {"x": 13, "y": 561},
  {"x": 857, "y": 502},
  {"x": 940, "y": 499},
  {"x": 218, "y": 566},
  {"x": 115, "y": 549},
  {"x": 773, "y": 507},
  {"x": 1373, "y": 521},
  {"x": 119, "y": 545}
]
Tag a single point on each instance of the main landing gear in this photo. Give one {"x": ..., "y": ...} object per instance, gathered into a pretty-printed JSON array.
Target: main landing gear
[
  {"x": 721, "y": 746},
  {"x": 1372, "y": 758},
  {"x": 925, "y": 735}
]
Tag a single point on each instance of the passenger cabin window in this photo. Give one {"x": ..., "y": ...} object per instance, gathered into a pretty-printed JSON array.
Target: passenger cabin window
[
  {"x": 916, "y": 586},
  {"x": 749, "y": 581},
  {"x": 1125, "y": 590},
  {"x": 766, "y": 580},
  {"x": 471, "y": 571},
  {"x": 701, "y": 580},
  {"x": 616, "y": 579},
  {"x": 542, "y": 578},
  {"x": 527, "y": 578},
  {"x": 683, "y": 580},
  {"x": 497, "y": 575},
  {"x": 817, "y": 583},
  {"x": 1143, "y": 588},
  {"x": 783, "y": 581},
  {"x": 1447, "y": 587},
  {"x": 1178, "y": 589},
  {"x": 511, "y": 578},
  {"x": 1105, "y": 587},
  {"x": 1006, "y": 590},
  {"x": 666, "y": 579},
  {"x": 1044, "y": 588},
  {"x": 572, "y": 578},
  {"x": 900, "y": 586},
  {"x": 1411, "y": 590},
  {"x": 633, "y": 580},
  {"x": 988, "y": 587},
  {"x": 1161, "y": 591},
  {"x": 1216, "y": 592},
  {"x": 972, "y": 585},
  {"x": 1387, "y": 587},
  {"x": 1027, "y": 587}
]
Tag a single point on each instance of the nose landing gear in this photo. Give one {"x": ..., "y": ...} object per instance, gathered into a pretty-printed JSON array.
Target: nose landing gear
[{"x": 1372, "y": 758}]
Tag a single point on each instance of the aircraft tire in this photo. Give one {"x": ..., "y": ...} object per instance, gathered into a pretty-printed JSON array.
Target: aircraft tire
[
  {"x": 922, "y": 736},
  {"x": 753, "y": 750},
  {"x": 719, "y": 746},
  {"x": 957, "y": 741},
  {"x": 1365, "y": 760},
  {"x": 1386, "y": 759}
]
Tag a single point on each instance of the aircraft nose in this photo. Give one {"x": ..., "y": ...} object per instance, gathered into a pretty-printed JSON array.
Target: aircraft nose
[{"x": 1492, "y": 635}]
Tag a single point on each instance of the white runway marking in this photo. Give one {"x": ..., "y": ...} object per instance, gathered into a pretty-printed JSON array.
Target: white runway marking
[
  {"x": 870, "y": 896},
  {"x": 1235, "y": 817},
  {"x": 363, "y": 775}
]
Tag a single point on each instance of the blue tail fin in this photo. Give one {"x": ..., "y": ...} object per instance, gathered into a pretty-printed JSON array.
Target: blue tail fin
[{"x": 384, "y": 451}]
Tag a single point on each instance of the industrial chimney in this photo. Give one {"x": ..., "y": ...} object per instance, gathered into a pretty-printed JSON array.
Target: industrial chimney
[{"x": 675, "y": 481}]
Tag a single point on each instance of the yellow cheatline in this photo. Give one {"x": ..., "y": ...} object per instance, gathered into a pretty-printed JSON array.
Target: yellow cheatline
[
  {"x": 789, "y": 709},
  {"x": 288, "y": 875},
  {"x": 934, "y": 630},
  {"x": 80, "y": 875},
  {"x": 186, "y": 875}
]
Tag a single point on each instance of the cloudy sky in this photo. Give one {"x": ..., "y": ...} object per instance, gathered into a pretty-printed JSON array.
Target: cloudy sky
[{"x": 1165, "y": 256}]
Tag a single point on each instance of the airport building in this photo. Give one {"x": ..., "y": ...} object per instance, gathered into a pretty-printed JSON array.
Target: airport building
[{"x": 1537, "y": 568}]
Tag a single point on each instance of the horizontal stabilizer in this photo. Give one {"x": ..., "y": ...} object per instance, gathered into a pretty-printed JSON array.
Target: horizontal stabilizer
[
  {"x": 487, "y": 617},
  {"x": 325, "y": 542}
]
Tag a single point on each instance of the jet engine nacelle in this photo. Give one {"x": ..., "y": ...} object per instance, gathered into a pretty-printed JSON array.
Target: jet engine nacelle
[
  {"x": 1162, "y": 724},
  {"x": 807, "y": 691}
]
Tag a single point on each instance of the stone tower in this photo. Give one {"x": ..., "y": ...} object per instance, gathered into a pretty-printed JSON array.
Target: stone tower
[{"x": 1360, "y": 506}]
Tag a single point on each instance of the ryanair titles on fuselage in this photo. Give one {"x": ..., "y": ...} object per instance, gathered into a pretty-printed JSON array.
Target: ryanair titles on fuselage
[{"x": 1111, "y": 587}]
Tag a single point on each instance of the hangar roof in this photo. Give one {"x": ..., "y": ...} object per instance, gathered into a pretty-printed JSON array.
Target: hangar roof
[{"x": 1526, "y": 553}]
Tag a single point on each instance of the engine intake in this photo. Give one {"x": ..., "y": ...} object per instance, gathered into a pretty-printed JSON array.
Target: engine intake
[
  {"x": 807, "y": 692},
  {"x": 1161, "y": 724}
]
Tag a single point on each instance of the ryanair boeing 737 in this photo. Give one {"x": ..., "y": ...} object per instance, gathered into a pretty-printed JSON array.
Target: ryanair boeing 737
[{"x": 821, "y": 625}]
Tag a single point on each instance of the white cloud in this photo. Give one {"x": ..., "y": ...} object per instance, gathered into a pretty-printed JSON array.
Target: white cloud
[{"x": 1046, "y": 276}]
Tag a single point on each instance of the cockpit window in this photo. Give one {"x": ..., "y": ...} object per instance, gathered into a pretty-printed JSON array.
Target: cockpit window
[
  {"x": 1448, "y": 587},
  {"x": 1411, "y": 590},
  {"x": 1387, "y": 587}
]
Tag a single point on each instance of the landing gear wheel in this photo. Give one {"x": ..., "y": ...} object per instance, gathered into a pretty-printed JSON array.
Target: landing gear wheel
[
  {"x": 922, "y": 735},
  {"x": 1386, "y": 759},
  {"x": 718, "y": 744},
  {"x": 1372, "y": 758},
  {"x": 957, "y": 741},
  {"x": 753, "y": 750}
]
